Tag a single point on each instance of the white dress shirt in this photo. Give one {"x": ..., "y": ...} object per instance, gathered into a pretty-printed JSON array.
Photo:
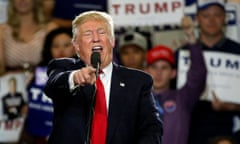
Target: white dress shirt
[{"x": 105, "y": 77}]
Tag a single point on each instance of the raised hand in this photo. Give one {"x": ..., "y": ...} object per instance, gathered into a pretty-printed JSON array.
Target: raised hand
[{"x": 187, "y": 25}]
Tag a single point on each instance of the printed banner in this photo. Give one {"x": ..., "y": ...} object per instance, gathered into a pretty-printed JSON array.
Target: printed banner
[
  {"x": 223, "y": 75},
  {"x": 145, "y": 12},
  {"x": 13, "y": 105}
]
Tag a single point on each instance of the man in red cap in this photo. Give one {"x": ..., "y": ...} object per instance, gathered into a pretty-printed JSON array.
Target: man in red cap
[{"x": 176, "y": 104}]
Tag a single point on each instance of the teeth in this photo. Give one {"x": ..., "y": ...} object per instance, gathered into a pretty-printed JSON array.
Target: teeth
[{"x": 97, "y": 48}]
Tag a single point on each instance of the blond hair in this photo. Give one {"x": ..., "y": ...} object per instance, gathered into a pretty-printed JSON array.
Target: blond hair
[
  {"x": 14, "y": 21},
  {"x": 93, "y": 15}
]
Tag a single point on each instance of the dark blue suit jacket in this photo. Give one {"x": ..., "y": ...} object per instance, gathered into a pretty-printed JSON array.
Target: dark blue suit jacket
[{"x": 132, "y": 115}]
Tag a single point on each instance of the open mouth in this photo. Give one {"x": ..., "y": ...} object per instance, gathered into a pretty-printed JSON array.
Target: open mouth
[{"x": 97, "y": 49}]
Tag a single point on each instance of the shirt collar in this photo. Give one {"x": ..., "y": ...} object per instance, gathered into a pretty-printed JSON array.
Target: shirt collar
[
  {"x": 218, "y": 44},
  {"x": 107, "y": 69}
]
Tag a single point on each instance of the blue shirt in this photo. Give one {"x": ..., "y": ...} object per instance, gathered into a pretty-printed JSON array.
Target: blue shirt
[{"x": 40, "y": 112}]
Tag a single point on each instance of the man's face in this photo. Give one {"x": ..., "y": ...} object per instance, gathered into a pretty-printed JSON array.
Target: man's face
[
  {"x": 132, "y": 56},
  {"x": 93, "y": 36},
  {"x": 12, "y": 86},
  {"x": 211, "y": 21},
  {"x": 224, "y": 142},
  {"x": 162, "y": 73}
]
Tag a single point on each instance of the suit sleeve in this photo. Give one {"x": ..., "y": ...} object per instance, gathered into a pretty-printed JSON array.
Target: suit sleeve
[
  {"x": 58, "y": 75},
  {"x": 150, "y": 124}
]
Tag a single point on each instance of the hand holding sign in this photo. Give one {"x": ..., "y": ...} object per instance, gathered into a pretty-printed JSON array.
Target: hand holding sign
[{"x": 219, "y": 105}]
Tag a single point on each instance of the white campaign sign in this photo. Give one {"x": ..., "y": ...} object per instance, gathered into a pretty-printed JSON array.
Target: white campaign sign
[
  {"x": 146, "y": 12},
  {"x": 223, "y": 75},
  {"x": 10, "y": 130}
]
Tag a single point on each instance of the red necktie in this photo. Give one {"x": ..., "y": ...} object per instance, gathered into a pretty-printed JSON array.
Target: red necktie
[{"x": 99, "y": 123}]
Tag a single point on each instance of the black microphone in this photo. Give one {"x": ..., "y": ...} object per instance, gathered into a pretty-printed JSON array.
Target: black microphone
[{"x": 96, "y": 61}]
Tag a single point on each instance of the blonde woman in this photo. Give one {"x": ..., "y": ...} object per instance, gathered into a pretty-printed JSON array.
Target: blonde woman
[{"x": 21, "y": 38}]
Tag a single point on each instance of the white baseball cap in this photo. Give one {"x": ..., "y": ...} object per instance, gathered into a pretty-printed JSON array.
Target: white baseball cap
[
  {"x": 204, "y": 4},
  {"x": 133, "y": 38}
]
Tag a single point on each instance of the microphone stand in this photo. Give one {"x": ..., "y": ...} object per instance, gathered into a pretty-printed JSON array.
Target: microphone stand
[{"x": 92, "y": 104}]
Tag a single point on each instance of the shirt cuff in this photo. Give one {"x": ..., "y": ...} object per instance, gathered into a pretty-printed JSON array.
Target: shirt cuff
[{"x": 72, "y": 86}]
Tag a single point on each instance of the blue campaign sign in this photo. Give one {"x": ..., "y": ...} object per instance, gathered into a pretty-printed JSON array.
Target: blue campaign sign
[
  {"x": 40, "y": 113},
  {"x": 71, "y": 8}
]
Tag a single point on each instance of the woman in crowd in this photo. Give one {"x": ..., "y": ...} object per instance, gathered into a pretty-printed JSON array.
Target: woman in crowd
[
  {"x": 21, "y": 38},
  {"x": 40, "y": 111}
]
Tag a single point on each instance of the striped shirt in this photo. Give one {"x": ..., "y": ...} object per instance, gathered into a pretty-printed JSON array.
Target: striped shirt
[{"x": 18, "y": 53}]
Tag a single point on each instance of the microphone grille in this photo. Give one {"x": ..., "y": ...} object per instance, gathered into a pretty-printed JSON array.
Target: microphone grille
[{"x": 95, "y": 59}]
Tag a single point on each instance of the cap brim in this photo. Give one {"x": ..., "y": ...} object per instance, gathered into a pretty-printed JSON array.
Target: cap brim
[{"x": 205, "y": 6}]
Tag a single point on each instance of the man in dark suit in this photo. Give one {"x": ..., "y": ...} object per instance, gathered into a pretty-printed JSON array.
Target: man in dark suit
[{"x": 132, "y": 117}]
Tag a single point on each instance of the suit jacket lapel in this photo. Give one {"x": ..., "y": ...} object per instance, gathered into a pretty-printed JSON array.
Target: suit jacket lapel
[{"x": 117, "y": 99}]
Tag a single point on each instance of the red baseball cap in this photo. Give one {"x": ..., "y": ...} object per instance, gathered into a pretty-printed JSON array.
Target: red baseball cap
[{"x": 160, "y": 52}]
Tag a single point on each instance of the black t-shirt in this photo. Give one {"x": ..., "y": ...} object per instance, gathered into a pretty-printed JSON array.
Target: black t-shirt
[{"x": 12, "y": 105}]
